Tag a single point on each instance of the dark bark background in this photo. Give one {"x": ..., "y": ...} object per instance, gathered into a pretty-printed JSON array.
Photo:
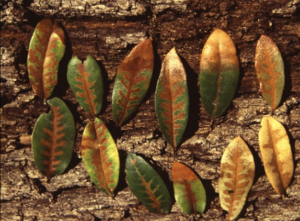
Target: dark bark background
[{"x": 108, "y": 30}]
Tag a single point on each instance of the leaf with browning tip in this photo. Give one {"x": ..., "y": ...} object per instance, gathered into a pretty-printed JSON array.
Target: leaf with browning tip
[
  {"x": 46, "y": 49},
  {"x": 53, "y": 139},
  {"x": 188, "y": 190},
  {"x": 276, "y": 153},
  {"x": 132, "y": 81},
  {"x": 236, "y": 178},
  {"x": 269, "y": 69},
  {"x": 219, "y": 73},
  {"x": 171, "y": 99},
  {"x": 100, "y": 156},
  {"x": 147, "y": 185},
  {"x": 86, "y": 83}
]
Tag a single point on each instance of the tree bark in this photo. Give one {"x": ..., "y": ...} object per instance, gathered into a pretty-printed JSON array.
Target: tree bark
[{"x": 108, "y": 30}]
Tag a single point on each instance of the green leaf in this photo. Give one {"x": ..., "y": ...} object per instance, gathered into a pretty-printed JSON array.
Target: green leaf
[
  {"x": 86, "y": 83},
  {"x": 100, "y": 156},
  {"x": 147, "y": 185},
  {"x": 236, "y": 177},
  {"x": 188, "y": 190},
  {"x": 171, "y": 99},
  {"x": 219, "y": 73},
  {"x": 46, "y": 49},
  {"x": 53, "y": 139},
  {"x": 269, "y": 69},
  {"x": 132, "y": 81}
]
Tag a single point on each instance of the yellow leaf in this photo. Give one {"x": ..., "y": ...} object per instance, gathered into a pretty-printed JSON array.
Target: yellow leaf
[
  {"x": 276, "y": 153},
  {"x": 236, "y": 178}
]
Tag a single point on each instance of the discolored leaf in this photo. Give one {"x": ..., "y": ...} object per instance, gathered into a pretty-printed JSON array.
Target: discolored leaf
[
  {"x": 269, "y": 69},
  {"x": 147, "y": 185},
  {"x": 86, "y": 83},
  {"x": 236, "y": 178},
  {"x": 188, "y": 190},
  {"x": 219, "y": 73},
  {"x": 171, "y": 99},
  {"x": 100, "y": 156},
  {"x": 132, "y": 81},
  {"x": 276, "y": 153},
  {"x": 46, "y": 49},
  {"x": 53, "y": 139}
]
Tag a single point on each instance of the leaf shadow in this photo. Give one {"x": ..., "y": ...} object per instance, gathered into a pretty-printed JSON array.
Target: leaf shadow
[
  {"x": 259, "y": 168},
  {"x": 293, "y": 149},
  {"x": 32, "y": 18},
  {"x": 115, "y": 131},
  {"x": 243, "y": 213},
  {"x": 62, "y": 83},
  {"x": 106, "y": 83},
  {"x": 73, "y": 163},
  {"x": 122, "y": 184},
  {"x": 287, "y": 81},
  {"x": 193, "y": 94},
  {"x": 163, "y": 174},
  {"x": 155, "y": 74}
]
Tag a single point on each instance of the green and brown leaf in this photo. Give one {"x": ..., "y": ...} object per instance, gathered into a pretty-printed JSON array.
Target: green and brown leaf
[
  {"x": 85, "y": 80},
  {"x": 100, "y": 156},
  {"x": 276, "y": 153},
  {"x": 147, "y": 185},
  {"x": 219, "y": 73},
  {"x": 132, "y": 81},
  {"x": 171, "y": 99},
  {"x": 269, "y": 69},
  {"x": 236, "y": 178},
  {"x": 46, "y": 49},
  {"x": 53, "y": 139},
  {"x": 188, "y": 190}
]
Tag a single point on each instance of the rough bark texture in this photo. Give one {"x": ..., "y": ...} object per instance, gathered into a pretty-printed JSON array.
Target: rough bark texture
[{"x": 108, "y": 30}]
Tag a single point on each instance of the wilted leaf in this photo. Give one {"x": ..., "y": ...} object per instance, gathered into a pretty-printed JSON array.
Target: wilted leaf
[
  {"x": 171, "y": 99},
  {"x": 86, "y": 83},
  {"x": 236, "y": 178},
  {"x": 132, "y": 81},
  {"x": 276, "y": 153},
  {"x": 219, "y": 73},
  {"x": 100, "y": 156},
  {"x": 53, "y": 139},
  {"x": 147, "y": 185},
  {"x": 269, "y": 70},
  {"x": 188, "y": 190},
  {"x": 46, "y": 49}
]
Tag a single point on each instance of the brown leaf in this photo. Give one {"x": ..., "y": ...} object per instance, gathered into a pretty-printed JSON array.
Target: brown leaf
[
  {"x": 276, "y": 153},
  {"x": 237, "y": 174}
]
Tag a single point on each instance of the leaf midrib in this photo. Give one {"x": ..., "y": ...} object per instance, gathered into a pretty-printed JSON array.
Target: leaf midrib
[
  {"x": 276, "y": 154},
  {"x": 218, "y": 82},
  {"x": 83, "y": 66},
  {"x": 131, "y": 83},
  {"x": 54, "y": 140}
]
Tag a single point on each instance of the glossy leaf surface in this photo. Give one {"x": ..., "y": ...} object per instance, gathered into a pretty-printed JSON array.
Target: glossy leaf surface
[
  {"x": 276, "y": 153},
  {"x": 132, "y": 81},
  {"x": 147, "y": 185},
  {"x": 236, "y": 178},
  {"x": 53, "y": 139},
  {"x": 219, "y": 73},
  {"x": 86, "y": 83},
  {"x": 100, "y": 156},
  {"x": 188, "y": 190},
  {"x": 46, "y": 49},
  {"x": 269, "y": 70},
  {"x": 171, "y": 99}
]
